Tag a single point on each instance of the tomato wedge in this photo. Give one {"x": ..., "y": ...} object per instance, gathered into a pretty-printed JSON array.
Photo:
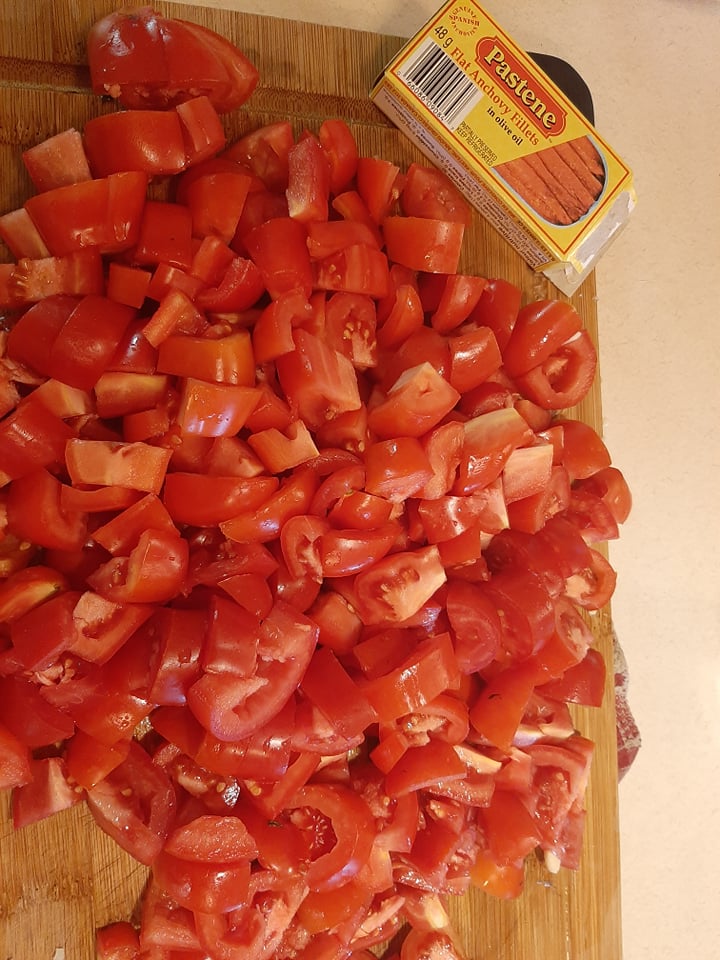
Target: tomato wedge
[{"x": 296, "y": 556}]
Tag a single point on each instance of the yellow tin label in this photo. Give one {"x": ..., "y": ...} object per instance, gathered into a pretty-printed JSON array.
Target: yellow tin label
[{"x": 487, "y": 114}]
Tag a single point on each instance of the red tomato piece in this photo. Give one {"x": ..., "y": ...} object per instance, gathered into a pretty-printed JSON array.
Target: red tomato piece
[
  {"x": 223, "y": 360},
  {"x": 103, "y": 213},
  {"x": 308, "y": 186},
  {"x": 428, "y": 192},
  {"x": 292, "y": 499},
  {"x": 350, "y": 322},
  {"x": 564, "y": 379},
  {"x": 87, "y": 341},
  {"x": 358, "y": 268},
  {"x": 35, "y": 513},
  {"x": 15, "y": 761},
  {"x": 475, "y": 624},
  {"x": 279, "y": 249},
  {"x": 202, "y": 129},
  {"x": 232, "y": 707},
  {"x": 498, "y": 710},
  {"x": 396, "y": 469},
  {"x": 424, "y": 243},
  {"x": 46, "y": 794},
  {"x": 474, "y": 358},
  {"x": 165, "y": 235},
  {"x": 418, "y": 400},
  {"x": 610, "y": 485},
  {"x": 498, "y": 309},
  {"x": 57, "y": 161},
  {"x": 138, "y": 466},
  {"x": 424, "y": 766},
  {"x": 459, "y": 297},
  {"x": 283, "y": 451},
  {"x": 489, "y": 440},
  {"x": 317, "y": 380},
  {"x": 583, "y": 449},
  {"x": 511, "y": 830},
  {"x": 103, "y": 626},
  {"x": 117, "y": 941},
  {"x": 147, "y": 140},
  {"x": 171, "y": 61},
  {"x": 31, "y": 437},
  {"x": 153, "y": 573},
  {"x": 338, "y": 143},
  {"x": 334, "y": 692},
  {"x": 379, "y": 183},
  {"x": 425, "y": 672},
  {"x": 583, "y": 682},
  {"x": 216, "y": 201},
  {"x": 351, "y": 823},
  {"x": 214, "y": 409},
  {"x": 265, "y": 152},
  {"x": 75, "y": 274},
  {"x": 540, "y": 329},
  {"x": 128, "y": 285}
]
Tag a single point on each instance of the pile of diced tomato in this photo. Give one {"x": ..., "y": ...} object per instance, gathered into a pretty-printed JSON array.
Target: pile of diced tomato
[{"x": 296, "y": 545}]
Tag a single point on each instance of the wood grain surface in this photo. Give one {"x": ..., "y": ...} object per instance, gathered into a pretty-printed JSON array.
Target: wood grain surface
[{"x": 61, "y": 879}]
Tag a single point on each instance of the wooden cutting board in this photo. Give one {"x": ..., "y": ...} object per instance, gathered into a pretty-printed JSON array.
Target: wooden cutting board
[{"x": 61, "y": 879}]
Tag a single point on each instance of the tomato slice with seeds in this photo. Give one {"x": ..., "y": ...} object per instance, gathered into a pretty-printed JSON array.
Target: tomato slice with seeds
[{"x": 294, "y": 552}]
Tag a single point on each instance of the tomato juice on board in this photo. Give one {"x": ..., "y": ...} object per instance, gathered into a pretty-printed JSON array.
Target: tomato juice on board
[{"x": 295, "y": 539}]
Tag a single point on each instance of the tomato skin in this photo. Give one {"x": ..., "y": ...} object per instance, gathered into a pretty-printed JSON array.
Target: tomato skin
[
  {"x": 346, "y": 552},
  {"x": 583, "y": 451},
  {"x": 341, "y": 150},
  {"x": 416, "y": 403},
  {"x": 317, "y": 380},
  {"x": 86, "y": 343},
  {"x": 31, "y": 438},
  {"x": 427, "y": 671},
  {"x": 145, "y": 140},
  {"x": 146, "y": 60},
  {"x": 235, "y": 707},
  {"x": 610, "y": 485},
  {"x": 203, "y": 501},
  {"x": 354, "y": 829},
  {"x": 117, "y": 941},
  {"x": 265, "y": 153},
  {"x": 140, "y": 833},
  {"x": 137, "y": 466},
  {"x": 15, "y": 768},
  {"x": 104, "y": 213},
  {"x": 583, "y": 682},
  {"x": 475, "y": 357},
  {"x": 427, "y": 192},
  {"x": 421, "y": 243},
  {"x": 35, "y": 512},
  {"x": 153, "y": 573},
  {"x": 576, "y": 360},
  {"x": 593, "y": 587},
  {"x": 475, "y": 624},
  {"x": 540, "y": 329},
  {"x": 333, "y": 691},
  {"x": 423, "y": 766},
  {"x": 308, "y": 180},
  {"x": 279, "y": 249}
]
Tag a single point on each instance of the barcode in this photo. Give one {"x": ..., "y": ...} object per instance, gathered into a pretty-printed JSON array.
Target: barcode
[{"x": 440, "y": 83}]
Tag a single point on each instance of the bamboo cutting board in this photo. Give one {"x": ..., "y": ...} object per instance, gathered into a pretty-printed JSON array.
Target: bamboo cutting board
[{"x": 61, "y": 879}]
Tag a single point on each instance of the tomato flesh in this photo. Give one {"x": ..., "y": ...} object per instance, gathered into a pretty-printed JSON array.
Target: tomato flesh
[{"x": 295, "y": 554}]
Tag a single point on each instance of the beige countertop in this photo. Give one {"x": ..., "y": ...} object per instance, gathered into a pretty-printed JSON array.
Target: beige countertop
[{"x": 650, "y": 67}]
